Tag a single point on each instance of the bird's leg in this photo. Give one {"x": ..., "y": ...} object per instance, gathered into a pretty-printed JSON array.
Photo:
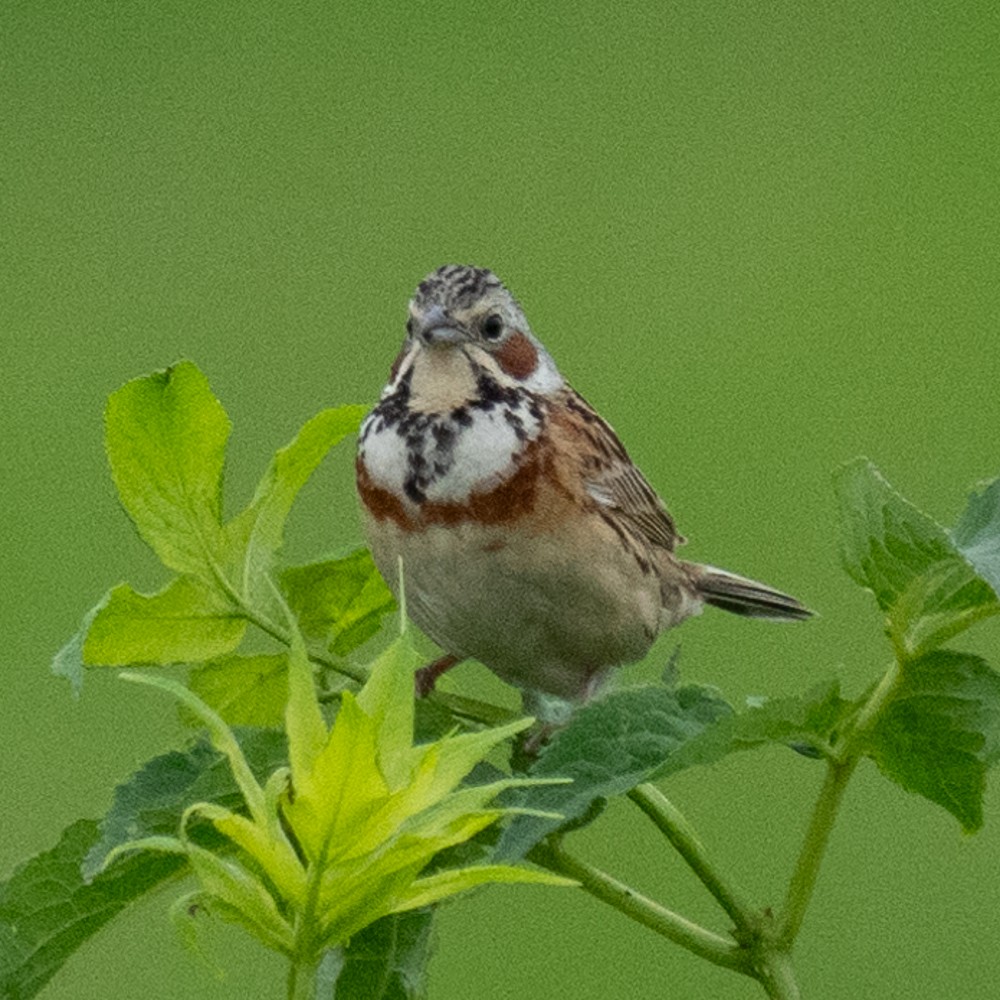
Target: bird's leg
[{"x": 426, "y": 677}]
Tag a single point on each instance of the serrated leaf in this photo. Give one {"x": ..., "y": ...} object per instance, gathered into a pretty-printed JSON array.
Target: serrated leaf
[
  {"x": 940, "y": 731},
  {"x": 47, "y": 910},
  {"x": 609, "y": 747},
  {"x": 387, "y": 960},
  {"x": 153, "y": 800},
  {"x": 244, "y": 690},
  {"x": 342, "y": 601},
  {"x": 187, "y": 621},
  {"x": 977, "y": 533},
  {"x": 926, "y": 586},
  {"x": 165, "y": 436},
  {"x": 256, "y": 533},
  {"x": 807, "y": 723}
]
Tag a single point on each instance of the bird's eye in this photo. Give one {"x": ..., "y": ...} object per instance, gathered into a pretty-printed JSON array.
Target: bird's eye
[{"x": 492, "y": 326}]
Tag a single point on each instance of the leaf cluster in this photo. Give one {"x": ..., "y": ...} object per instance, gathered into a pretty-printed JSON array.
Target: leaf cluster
[{"x": 332, "y": 842}]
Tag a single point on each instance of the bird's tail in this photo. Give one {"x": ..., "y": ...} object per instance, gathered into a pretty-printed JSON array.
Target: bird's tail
[{"x": 743, "y": 596}]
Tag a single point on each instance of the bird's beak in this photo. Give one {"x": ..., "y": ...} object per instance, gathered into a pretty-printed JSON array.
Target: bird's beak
[{"x": 435, "y": 327}]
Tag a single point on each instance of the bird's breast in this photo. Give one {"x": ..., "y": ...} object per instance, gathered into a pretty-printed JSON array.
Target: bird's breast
[{"x": 428, "y": 466}]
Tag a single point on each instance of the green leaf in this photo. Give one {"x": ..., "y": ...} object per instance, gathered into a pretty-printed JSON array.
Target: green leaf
[
  {"x": 387, "y": 960},
  {"x": 222, "y": 737},
  {"x": 256, "y": 534},
  {"x": 977, "y": 533},
  {"x": 165, "y": 436},
  {"x": 153, "y": 800},
  {"x": 68, "y": 662},
  {"x": 387, "y": 699},
  {"x": 186, "y": 621},
  {"x": 807, "y": 723},
  {"x": 940, "y": 731},
  {"x": 244, "y": 690},
  {"x": 441, "y": 885},
  {"x": 47, "y": 910},
  {"x": 342, "y": 601},
  {"x": 919, "y": 577},
  {"x": 609, "y": 747}
]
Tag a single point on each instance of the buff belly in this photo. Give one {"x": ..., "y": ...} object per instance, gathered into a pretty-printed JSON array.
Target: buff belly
[{"x": 525, "y": 603}]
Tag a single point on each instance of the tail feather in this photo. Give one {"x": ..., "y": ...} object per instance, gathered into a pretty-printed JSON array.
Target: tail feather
[{"x": 743, "y": 596}]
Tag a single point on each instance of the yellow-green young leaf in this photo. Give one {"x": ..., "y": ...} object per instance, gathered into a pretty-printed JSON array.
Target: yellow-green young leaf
[
  {"x": 342, "y": 601},
  {"x": 307, "y": 732},
  {"x": 351, "y": 900},
  {"x": 268, "y": 847},
  {"x": 165, "y": 436},
  {"x": 186, "y": 621},
  {"x": 244, "y": 690},
  {"x": 342, "y": 788},
  {"x": 459, "y": 754},
  {"x": 434, "y": 888},
  {"x": 255, "y": 535},
  {"x": 242, "y": 898},
  {"x": 387, "y": 699}
]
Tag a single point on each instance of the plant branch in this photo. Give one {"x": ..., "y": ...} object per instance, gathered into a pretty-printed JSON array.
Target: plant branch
[
  {"x": 695, "y": 938},
  {"x": 302, "y": 979},
  {"x": 840, "y": 768},
  {"x": 776, "y": 975},
  {"x": 681, "y": 835},
  {"x": 803, "y": 881}
]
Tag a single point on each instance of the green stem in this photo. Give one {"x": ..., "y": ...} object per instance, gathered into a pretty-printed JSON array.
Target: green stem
[
  {"x": 475, "y": 711},
  {"x": 869, "y": 712},
  {"x": 673, "y": 926},
  {"x": 671, "y": 822},
  {"x": 776, "y": 975},
  {"x": 840, "y": 768},
  {"x": 302, "y": 979},
  {"x": 800, "y": 889}
]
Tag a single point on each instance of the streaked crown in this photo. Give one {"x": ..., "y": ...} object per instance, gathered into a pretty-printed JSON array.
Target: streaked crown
[{"x": 469, "y": 308}]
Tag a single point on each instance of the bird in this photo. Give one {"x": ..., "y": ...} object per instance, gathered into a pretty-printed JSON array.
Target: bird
[{"x": 523, "y": 533}]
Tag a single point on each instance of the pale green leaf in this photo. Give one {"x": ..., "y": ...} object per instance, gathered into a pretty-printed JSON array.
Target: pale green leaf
[
  {"x": 810, "y": 724},
  {"x": 977, "y": 533},
  {"x": 610, "y": 746},
  {"x": 940, "y": 731},
  {"x": 926, "y": 586},
  {"x": 165, "y": 436},
  {"x": 68, "y": 662},
  {"x": 186, "y": 621},
  {"x": 244, "y": 690}
]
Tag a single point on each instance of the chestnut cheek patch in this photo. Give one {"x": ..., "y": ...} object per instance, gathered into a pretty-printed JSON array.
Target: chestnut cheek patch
[{"x": 517, "y": 356}]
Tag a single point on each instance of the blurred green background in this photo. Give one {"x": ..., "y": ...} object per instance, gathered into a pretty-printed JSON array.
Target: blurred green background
[{"x": 760, "y": 238}]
